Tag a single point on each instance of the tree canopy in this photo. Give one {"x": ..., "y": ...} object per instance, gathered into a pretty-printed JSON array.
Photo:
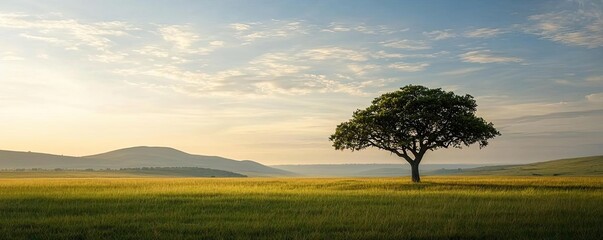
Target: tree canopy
[{"x": 413, "y": 120}]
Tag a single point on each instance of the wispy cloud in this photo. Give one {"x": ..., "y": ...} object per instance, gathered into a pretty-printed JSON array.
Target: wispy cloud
[
  {"x": 275, "y": 64},
  {"x": 309, "y": 83},
  {"x": 385, "y": 55},
  {"x": 41, "y": 38},
  {"x": 361, "y": 28},
  {"x": 109, "y": 57},
  {"x": 588, "y": 81},
  {"x": 406, "y": 44},
  {"x": 153, "y": 51},
  {"x": 595, "y": 97},
  {"x": 182, "y": 36},
  {"x": 70, "y": 33},
  {"x": 440, "y": 34},
  {"x": 408, "y": 67},
  {"x": 484, "y": 32},
  {"x": 361, "y": 69},
  {"x": 335, "y": 53},
  {"x": 240, "y": 26},
  {"x": 580, "y": 26},
  {"x": 595, "y": 79},
  {"x": 460, "y": 72},
  {"x": 486, "y": 56},
  {"x": 10, "y": 56},
  {"x": 254, "y": 31}
]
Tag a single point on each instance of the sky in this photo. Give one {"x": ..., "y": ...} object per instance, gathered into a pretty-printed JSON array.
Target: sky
[{"x": 270, "y": 80}]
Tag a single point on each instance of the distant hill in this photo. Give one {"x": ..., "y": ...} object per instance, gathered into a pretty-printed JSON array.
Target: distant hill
[
  {"x": 119, "y": 173},
  {"x": 365, "y": 170},
  {"x": 14, "y": 160},
  {"x": 135, "y": 157},
  {"x": 583, "y": 166},
  {"x": 180, "y": 172}
]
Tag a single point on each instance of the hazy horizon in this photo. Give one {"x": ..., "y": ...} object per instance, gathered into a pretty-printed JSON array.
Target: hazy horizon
[{"x": 269, "y": 81}]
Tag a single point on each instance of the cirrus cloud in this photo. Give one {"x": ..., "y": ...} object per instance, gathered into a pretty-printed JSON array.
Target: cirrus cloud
[{"x": 486, "y": 56}]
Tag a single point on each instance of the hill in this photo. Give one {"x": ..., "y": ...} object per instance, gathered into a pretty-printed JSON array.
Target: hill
[
  {"x": 135, "y": 157},
  {"x": 179, "y": 172},
  {"x": 582, "y": 166},
  {"x": 364, "y": 170},
  {"x": 15, "y": 160},
  {"x": 168, "y": 157},
  {"x": 119, "y": 173}
]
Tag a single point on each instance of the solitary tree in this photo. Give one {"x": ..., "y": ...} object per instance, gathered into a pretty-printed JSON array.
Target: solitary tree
[{"x": 413, "y": 120}]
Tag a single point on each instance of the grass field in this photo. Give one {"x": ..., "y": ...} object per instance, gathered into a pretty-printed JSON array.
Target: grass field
[{"x": 452, "y": 207}]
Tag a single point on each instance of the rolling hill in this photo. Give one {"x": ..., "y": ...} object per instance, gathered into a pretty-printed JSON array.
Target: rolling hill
[
  {"x": 582, "y": 166},
  {"x": 120, "y": 173},
  {"x": 365, "y": 170},
  {"x": 14, "y": 160},
  {"x": 169, "y": 157},
  {"x": 135, "y": 157}
]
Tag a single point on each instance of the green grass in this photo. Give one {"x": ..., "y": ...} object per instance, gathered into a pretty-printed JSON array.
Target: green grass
[
  {"x": 583, "y": 166},
  {"x": 353, "y": 208}
]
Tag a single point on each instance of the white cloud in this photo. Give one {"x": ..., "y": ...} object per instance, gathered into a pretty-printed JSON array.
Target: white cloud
[
  {"x": 383, "y": 54},
  {"x": 580, "y": 26},
  {"x": 275, "y": 64},
  {"x": 361, "y": 28},
  {"x": 460, "y": 72},
  {"x": 361, "y": 69},
  {"x": 337, "y": 27},
  {"x": 484, "y": 32},
  {"x": 216, "y": 43},
  {"x": 182, "y": 36},
  {"x": 240, "y": 26},
  {"x": 313, "y": 83},
  {"x": 69, "y": 33},
  {"x": 334, "y": 53},
  {"x": 595, "y": 97},
  {"x": 109, "y": 57},
  {"x": 408, "y": 67},
  {"x": 595, "y": 79},
  {"x": 180, "y": 80},
  {"x": 250, "y": 32},
  {"x": 440, "y": 34},
  {"x": 10, "y": 56},
  {"x": 406, "y": 44},
  {"x": 486, "y": 56},
  {"x": 41, "y": 38},
  {"x": 153, "y": 51}
]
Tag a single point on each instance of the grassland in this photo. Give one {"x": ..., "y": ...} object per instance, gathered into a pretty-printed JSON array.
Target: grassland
[
  {"x": 582, "y": 166},
  {"x": 452, "y": 207}
]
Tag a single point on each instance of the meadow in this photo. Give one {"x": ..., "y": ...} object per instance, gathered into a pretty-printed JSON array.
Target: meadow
[{"x": 452, "y": 207}]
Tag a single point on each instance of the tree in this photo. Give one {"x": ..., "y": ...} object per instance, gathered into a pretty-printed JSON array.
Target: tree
[{"x": 413, "y": 120}]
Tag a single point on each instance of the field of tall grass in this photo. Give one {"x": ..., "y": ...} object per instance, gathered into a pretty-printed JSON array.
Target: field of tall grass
[{"x": 287, "y": 208}]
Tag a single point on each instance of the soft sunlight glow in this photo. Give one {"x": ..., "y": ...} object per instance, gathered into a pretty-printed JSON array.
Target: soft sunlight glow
[{"x": 271, "y": 84}]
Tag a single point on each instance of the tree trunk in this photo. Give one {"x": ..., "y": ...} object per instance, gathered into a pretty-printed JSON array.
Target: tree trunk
[{"x": 415, "y": 173}]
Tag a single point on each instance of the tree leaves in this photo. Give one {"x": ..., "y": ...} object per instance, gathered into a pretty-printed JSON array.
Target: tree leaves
[{"x": 412, "y": 120}]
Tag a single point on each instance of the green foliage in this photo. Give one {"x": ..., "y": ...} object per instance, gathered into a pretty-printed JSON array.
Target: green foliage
[
  {"x": 353, "y": 208},
  {"x": 413, "y": 120}
]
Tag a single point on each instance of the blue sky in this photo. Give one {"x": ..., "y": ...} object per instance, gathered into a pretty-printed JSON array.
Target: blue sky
[{"x": 270, "y": 80}]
